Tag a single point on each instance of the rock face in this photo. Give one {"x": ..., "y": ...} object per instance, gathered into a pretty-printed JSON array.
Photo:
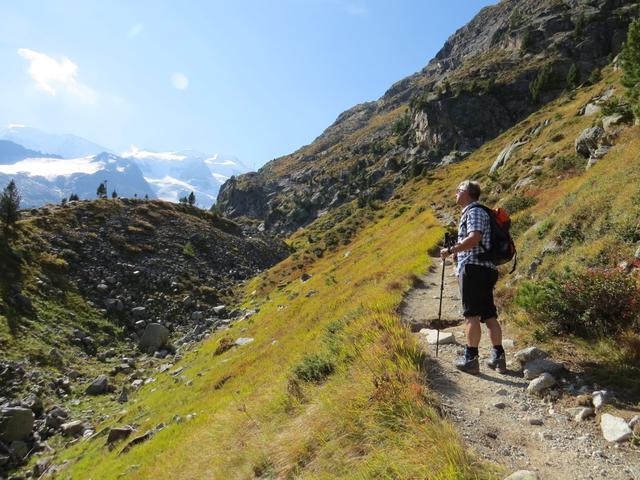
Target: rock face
[
  {"x": 475, "y": 88},
  {"x": 16, "y": 424}
]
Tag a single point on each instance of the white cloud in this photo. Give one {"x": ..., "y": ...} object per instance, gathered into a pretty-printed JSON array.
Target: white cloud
[
  {"x": 179, "y": 80},
  {"x": 54, "y": 76},
  {"x": 135, "y": 30}
]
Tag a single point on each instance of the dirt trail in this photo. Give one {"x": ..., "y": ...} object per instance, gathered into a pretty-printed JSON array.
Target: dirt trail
[{"x": 493, "y": 411}]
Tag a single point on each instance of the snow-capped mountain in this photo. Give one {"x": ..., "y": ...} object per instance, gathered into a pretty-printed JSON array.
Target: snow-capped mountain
[
  {"x": 173, "y": 175},
  {"x": 66, "y": 146},
  {"x": 48, "y": 180},
  {"x": 48, "y": 167}
]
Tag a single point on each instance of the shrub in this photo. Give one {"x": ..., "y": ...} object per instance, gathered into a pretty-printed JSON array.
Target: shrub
[
  {"x": 595, "y": 76},
  {"x": 518, "y": 203},
  {"x": 188, "y": 250},
  {"x": 314, "y": 368},
  {"x": 564, "y": 163},
  {"x": 595, "y": 303},
  {"x": 544, "y": 228},
  {"x": 615, "y": 105},
  {"x": 521, "y": 224}
]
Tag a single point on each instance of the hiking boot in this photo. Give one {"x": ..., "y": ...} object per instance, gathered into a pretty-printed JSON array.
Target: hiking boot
[
  {"x": 468, "y": 365},
  {"x": 497, "y": 362}
]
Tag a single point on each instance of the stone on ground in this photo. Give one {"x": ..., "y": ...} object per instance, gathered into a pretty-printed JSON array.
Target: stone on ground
[
  {"x": 534, "y": 368},
  {"x": 545, "y": 380},
  {"x": 154, "y": 337},
  {"x": 16, "y": 423},
  {"x": 99, "y": 386},
  {"x": 614, "y": 429},
  {"x": 528, "y": 354},
  {"x": 523, "y": 475},
  {"x": 431, "y": 336}
]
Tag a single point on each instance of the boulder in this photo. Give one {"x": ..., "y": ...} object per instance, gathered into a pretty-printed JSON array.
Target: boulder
[
  {"x": 72, "y": 429},
  {"x": 34, "y": 403},
  {"x": 583, "y": 414},
  {"x": 610, "y": 122},
  {"x": 599, "y": 399},
  {"x": 614, "y": 429},
  {"x": 243, "y": 341},
  {"x": 591, "y": 109},
  {"x": 154, "y": 337},
  {"x": 219, "y": 309},
  {"x": 545, "y": 380},
  {"x": 504, "y": 156},
  {"x": 99, "y": 386},
  {"x": 19, "y": 448},
  {"x": 534, "y": 368},
  {"x": 117, "y": 434},
  {"x": 587, "y": 141},
  {"x": 528, "y": 354},
  {"x": 16, "y": 423},
  {"x": 431, "y": 336}
]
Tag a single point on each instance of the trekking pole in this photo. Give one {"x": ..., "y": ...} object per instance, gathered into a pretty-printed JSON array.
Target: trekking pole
[{"x": 446, "y": 244}]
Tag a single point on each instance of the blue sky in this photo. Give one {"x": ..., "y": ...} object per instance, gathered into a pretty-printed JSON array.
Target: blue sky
[{"x": 255, "y": 79}]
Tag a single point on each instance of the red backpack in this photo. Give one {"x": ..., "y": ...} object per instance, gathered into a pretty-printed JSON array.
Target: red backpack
[{"x": 503, "y": 249}]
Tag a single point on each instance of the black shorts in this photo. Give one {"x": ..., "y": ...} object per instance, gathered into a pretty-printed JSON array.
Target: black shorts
[{"x": 476, "y": 289}]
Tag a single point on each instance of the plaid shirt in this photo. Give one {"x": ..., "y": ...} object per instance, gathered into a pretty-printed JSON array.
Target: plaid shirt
[{"x": 474, "y": 219}]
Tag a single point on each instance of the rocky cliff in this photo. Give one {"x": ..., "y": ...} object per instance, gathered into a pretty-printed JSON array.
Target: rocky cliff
[{"x": 511, "y": 58}]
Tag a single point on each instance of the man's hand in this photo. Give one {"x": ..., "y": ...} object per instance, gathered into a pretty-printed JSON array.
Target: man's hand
[{"x": 444, "y": 253}]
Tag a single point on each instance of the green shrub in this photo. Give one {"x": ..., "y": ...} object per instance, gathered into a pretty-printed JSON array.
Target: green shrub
[
  {"x": 564, "y": 163},
  {"x": 518, "y": 203},
  {"x": 544, "y": 228},
  {"x": 521, "y": 224},
  {"x": 595, "y": 303},
  {"x": 615, "y": 105},
  {"x": 188, "y": 250},
  {"x": 573, "y": 77},
  {"x": 595, "y": 76},
  {"x": 314, "y": 368}
]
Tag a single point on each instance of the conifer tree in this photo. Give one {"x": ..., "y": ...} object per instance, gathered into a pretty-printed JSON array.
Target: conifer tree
[
  {"x": 101, "y": 192},
  {"x": 74, "y": 197},
  {"x": 114, "y": 194},
  {"x": 192, "y": 199},
  {"x": 10, "y": 204},
  {"x": 630, "y": 60},
  {"x": 573, "y": 77}
]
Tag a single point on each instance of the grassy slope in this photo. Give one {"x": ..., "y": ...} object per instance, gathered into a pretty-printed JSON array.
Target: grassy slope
[{"x": 372, "y": 418}]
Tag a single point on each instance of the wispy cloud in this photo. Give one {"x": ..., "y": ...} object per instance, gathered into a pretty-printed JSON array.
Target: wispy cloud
[
  {"x": 135, "y": 30},
  {"x": 53, "y": 76},
  {"x": 179, "y": 80}
]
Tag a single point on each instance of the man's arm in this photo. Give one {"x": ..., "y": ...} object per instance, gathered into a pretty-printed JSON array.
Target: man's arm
[{"x": 468, "y": 243}]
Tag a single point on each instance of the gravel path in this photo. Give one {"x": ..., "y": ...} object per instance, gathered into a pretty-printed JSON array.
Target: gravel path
[{"x": 495, "y": 415}]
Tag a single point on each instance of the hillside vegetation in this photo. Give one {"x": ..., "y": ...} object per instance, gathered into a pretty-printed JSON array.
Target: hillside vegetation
[{"x": 333, "y": 385}]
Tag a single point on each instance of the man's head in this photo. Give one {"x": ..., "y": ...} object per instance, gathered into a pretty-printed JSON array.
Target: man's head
[{"x": 467, "y": 192}]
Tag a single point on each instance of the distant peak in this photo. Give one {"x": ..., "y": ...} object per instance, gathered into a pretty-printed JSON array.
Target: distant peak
[{"x": 135, "y": 152}]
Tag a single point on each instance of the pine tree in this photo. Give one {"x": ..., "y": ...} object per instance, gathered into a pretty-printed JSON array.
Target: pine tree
[
  {"x": 192, "y": 199},
  {"x": 573, "y": 77},
  {"x": 630, "y": 60},
  {"x": 74, "y": 197},
  {"x": 114, "y": 194},
  {"x": 183, "y": 200},
  {"x": 101, "y": 192},
  {"x": 10, "y": 204}
]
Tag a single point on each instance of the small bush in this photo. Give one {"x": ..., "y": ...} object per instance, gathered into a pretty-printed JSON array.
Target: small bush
[
  {"x": 595, "y": 303},
  {"x": 188, "y": 250},
  {"x": 314, "y": 368},
  {"x": 544, "y": 228},
  {"x": 53, "y": 263},
  {"x": 564, "y": 163},
  {"x": 518, "y": 203},
  {"x": 615, "y": 105},
  {"x": 521, "y": 224}
]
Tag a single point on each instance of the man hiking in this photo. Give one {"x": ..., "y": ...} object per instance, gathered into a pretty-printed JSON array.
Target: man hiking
[{"x": 476, "y": 279}]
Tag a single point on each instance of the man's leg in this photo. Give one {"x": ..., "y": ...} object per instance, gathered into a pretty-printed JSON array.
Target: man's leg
[
  {"x": 498, "y": 360},
  {"x": 473, "y": 331},
  {"x": 495, "y": 331},
  {"x": 469, "y": 362}
]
